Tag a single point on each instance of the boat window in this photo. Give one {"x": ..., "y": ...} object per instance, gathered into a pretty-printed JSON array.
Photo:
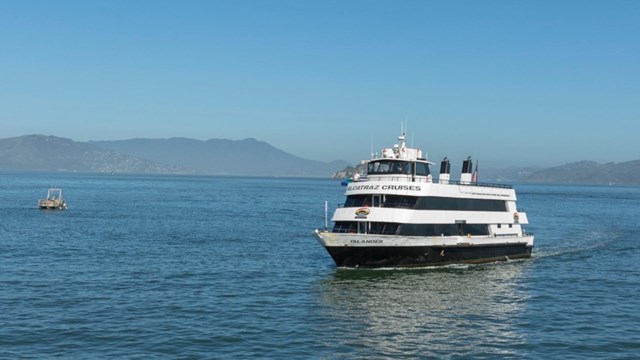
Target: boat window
[
  {"x": 461, "y": 204},
  {"x": 422, "y": 169},
  {"x": 426, "y": 203},
  {"x": 444, "y": 229},
  {"x": 383, "y": 228},
  {"x": 397, "y": 201},
  {"x": 357, "y": 201},
  {"x": 345, "y": 227},
  {"x": 475, "y": 229},
  {"x": 386, "y": 228},
  {"x": 388, "y": 167},
  {"x": 377, "y": 200}
]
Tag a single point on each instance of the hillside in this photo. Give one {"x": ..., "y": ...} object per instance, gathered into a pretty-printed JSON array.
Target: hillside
[
  {"x": 250, "y": 157},
  {"x": 176, "y": 155},
  {"x": 590, "y": 172},
  {"x": 223, "y": 157},
  {"x": 51, "y": 153}
]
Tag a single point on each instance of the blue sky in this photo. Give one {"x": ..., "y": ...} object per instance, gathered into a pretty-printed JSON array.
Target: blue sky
[{"x": 508, "y": 82}]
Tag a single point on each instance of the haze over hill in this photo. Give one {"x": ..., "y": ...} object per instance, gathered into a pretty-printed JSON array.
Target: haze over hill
[
  {"x": 222, "y": 156},
  {"x": 248, "y": 157},
  {"x": 51, "y": 153},
  {"x": 591, "y": 172}
]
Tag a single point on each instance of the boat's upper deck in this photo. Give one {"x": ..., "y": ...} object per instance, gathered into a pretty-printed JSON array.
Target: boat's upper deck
[
  {"x": 412, "y": 170},
  {"x": 404, "y": 164}
]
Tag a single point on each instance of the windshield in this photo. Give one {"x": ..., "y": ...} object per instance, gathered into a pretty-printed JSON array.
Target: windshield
[{"x": 397, "y": 167}]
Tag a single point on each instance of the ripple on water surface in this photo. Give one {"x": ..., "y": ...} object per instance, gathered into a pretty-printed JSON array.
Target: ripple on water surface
[{"x": 228, "y": 268}]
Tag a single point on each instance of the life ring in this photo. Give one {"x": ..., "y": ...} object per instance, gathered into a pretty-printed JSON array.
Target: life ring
[{"x": 516, "y": 217}]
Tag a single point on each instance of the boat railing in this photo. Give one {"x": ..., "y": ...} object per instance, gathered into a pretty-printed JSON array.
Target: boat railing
[
  {"x": 467, "y": 183},
  {"x": 424, "y": 179}
]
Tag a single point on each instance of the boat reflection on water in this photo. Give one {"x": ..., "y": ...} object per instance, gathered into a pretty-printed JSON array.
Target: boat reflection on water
[{"x": 461, "y": 310}]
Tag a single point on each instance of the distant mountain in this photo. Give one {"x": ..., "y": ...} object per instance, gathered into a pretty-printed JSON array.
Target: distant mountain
[
  {"x": 51, "y": 153},
  {"x": 590, "y": 172},
  {"x": 223, "y": 157},
  {"x": 508, "y": 175},
  {"x": 176, "y": 155},
  {"x": 250, "y": 157}
]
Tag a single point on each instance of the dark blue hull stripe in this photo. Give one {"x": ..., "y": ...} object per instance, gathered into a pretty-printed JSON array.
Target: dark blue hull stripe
[{"x": 425, "y": 255}]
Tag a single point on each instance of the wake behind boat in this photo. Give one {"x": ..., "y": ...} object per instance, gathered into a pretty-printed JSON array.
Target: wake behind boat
[{"x": 399, "y": 216}]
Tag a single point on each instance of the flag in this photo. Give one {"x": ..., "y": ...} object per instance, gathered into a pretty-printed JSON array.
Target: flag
[{"x": 474, "y": 177}]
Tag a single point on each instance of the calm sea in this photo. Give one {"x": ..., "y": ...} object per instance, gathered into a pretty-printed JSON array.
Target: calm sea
[{"x": 227, "y": 268}]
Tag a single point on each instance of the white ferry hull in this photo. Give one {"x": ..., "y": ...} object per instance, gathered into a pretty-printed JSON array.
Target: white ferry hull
[{"x": 362, "y": 250}]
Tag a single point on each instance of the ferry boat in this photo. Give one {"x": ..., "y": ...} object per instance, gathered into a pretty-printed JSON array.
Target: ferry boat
[
  {"x": 400, "y": 216},
  {"x": 54, "y": 200}
]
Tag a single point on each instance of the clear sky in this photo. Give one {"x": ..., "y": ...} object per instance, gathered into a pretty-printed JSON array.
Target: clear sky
[{"x": 508, "y": 82}]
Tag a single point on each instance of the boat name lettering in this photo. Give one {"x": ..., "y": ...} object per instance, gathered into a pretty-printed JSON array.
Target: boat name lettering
[
  {"x": 363, "y": 187},
  {"x": 358, "y": 241},
  {"x": 384, "y": 187},
  {"x": 401, "y": 187}
]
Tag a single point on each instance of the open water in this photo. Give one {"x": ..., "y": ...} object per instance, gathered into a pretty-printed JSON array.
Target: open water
[{"x": 183, "y": 267}]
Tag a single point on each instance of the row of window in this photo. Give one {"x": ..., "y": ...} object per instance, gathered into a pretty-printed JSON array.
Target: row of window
[
  {"x": 426, "y": 203},
  {"x": 383, "y": 228},
  {"x": 383, "y": 167}
]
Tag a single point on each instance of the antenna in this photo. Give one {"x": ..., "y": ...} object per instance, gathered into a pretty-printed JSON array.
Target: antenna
[
  {"x": 371, "y": 145},
  {"x": 326, "y": 210},
  {"x": 406, "y": 123}
]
